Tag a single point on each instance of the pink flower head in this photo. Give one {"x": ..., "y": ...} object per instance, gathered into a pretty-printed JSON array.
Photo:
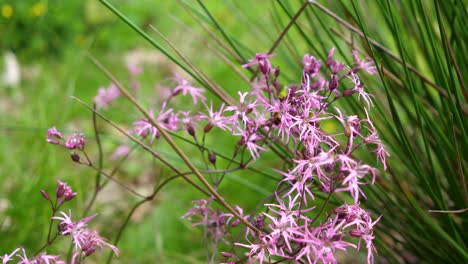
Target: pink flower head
[
  {"x": 64, "y": 192},
  {"x": 184, "y": 87},
  {"x": 359, "y": 88},
  {"x": 134, "y": 69},
  {"x": 75, "y": 141},
  {"x": 106, "y": 96},
  {"x": 373, "y": 139},
  {"x": 334, "y": 66},
  {"x": 263, "y": 61},
  {"x": 85, "y": 240},
  {"x": 214, "y": 118},
  {"x": 121, "y": 151},
  {"x": 7, "y": 258},
  {"x": 53, "y": 135},
  {"x": 216, "y": 223},
  {"x": 364, "y": 64},
  {"x": 311, "y": 65},
  {"x": 165, "y": 118}
]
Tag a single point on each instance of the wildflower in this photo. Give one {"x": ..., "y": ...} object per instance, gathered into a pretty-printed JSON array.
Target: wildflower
[
  {"x": 7, "y": 258},
  {"x": 365, "y": 64},
  {"x": 322, "y": 242},
  {"x": 121, "y": 151},
  {"x": 144, "y": 128},
  {"x": 134, "y": 69},
  {"x": 242, "y": 111},
  {"x": 38, "y": 9},
  {"x": 311, "y": 65},
  {"x": 285, "y": 224},
  {"x": 359, "y": 88},
  {"x": 354, "y": 172},
  {"x": 263, "y": 61},
  {"x": 214, "y": 118},
  {"x": 106, "y": 96},
  {"x": 84, "y": 240},
  {"x": 7, "y": 11},
  {"x": 250, "y": 142},
  {"x": 64, "y": 192},
  {"x": 373, "y": 138},
  {"x": 352, "y": 128},
  {"x": 75, "y": 141},
  {"x": 213, "y": 220},
  {"x": 334, "y": 66},
  {"x": 53, "y": 135},
  {"x": 262, "y": 250},
  {"x": 184, "y": 87}
]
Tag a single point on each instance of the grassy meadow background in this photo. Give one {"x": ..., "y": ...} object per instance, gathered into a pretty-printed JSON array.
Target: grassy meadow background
[{"x": 420, "y": 97}]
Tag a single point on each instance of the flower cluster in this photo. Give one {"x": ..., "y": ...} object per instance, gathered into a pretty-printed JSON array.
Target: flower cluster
[
  {"x": 74, "y": 141},
  {"x": 321, "y": 161},
  {"x": 22, "y": 258},
  {"x": 85, "y": 241},
  {"x": 296, "y": 227}
]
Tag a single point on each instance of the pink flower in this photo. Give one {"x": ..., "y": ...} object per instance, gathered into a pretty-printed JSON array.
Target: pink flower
[
  {"x": 85, "y": 240},
  {"x": 215, "y": 118},
  {"x": 134, "y": 69},
  {"x": 144, "y": 128},
  {"x": 75, "y": 141},
  {"x": 64, "y": 192},
  {"x": 184, "y": 87},
  {"x": 53, "y": 135},
  {"x": 7, "y": 258},
  {"x": 121, "y": 151},
  {"x": 263, "y": 61},
  {"x": 365, "y": 64},
  {"x": 311, "y": 65},
  {"x": 106, "y": 96}
]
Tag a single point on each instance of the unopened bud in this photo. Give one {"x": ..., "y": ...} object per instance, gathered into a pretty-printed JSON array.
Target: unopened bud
[
  {"x": 208, "y": 127},
  {"x": 212, "y": 157},
  {"x": 235, "y": 223},
  {"x": 176, "y": 91},
  {"x": 277, "y": 72},
  {"x": 45, "y": 195},
  {"x": 348, "y": 92},
  {"x": 90, "y": 251},
  {"x": 75, "y": 157},
  {"x": 340, "y": 210},
  {"x": 356, "y": 233},
  {"x": 333, "y": 84},
  {"x": 191, "y": 130},
  {"x": 226, "y": 254}
]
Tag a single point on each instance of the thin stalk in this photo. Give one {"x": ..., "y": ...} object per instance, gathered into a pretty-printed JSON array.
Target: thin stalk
[{"x": 176, "y": 148}]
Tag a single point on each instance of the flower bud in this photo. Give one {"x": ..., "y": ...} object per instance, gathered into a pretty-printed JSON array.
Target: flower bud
[
  {"x": 235, "y": 223},
  {"x": 333, "y": 84},
  {"x": 212, "y": 157},
  {"x": 75, "y": 157},
  {"x": 277, "y": 72},
  {"x": 208, "y": 127},
  {"x": 355, "y": 233},
  {"x": 348, "y": 92},
  {"x": 226, "y": 254},
  {"x": 60, "y": 189},
  {"x": 191, "y": 130},
  {"x": 45, "y": 195}
]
